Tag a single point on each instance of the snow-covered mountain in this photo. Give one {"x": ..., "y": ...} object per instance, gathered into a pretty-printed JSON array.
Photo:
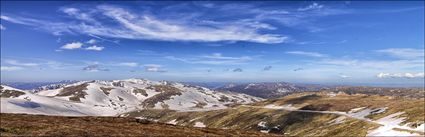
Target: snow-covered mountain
[
  {"x": 107, "y": 98},
  {"x": 269, "y": 89}
]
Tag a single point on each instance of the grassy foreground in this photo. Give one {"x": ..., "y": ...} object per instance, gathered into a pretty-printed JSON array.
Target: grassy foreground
[{"x": 38, "y": 125}]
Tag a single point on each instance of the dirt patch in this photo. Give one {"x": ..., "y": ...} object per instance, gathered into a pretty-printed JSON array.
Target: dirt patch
[
  {"x": 76, "y": 92},
  {"x": 106, "y": 90},
  {"x": 140, "y": 91},
  {"x": 11, "y": 93},
  {"x": 200, "y": 104},
  {"x": 223, "y": 98},
  {"x": 119, "y": 98}
]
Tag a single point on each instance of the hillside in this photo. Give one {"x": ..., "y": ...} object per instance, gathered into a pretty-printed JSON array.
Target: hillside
[
  {"x": 270, "y": 89},
  {"x": 308, "y": 114},
  {"x": 37, "y": 125},
  {"x": 108, "y": 98}
]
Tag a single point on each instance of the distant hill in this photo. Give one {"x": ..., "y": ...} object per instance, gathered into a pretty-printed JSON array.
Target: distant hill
[{"x": 270, "y": 89}]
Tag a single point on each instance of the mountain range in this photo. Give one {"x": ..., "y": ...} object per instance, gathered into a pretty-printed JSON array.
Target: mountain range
[{"x": 108, "y": 98}]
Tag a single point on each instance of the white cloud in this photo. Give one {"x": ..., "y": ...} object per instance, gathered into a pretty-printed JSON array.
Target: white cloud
[
  {"x": 17, "y": 63},
  {"x": 341, "y": 75},
  {"x": 154, "y": 68},
  {"x": 405, "y": 53},
  {"x": 73, "y": 45},
  {"x": 10, "y": 68},
  {"x": 95, "y": 48},
  {"x": 129, "y": 64},
  {"x": 2, "y": 27},
  {"x": 313, "y": 6},
  {"x": 91, "y": 41},
  {"x": 400, "y": 75},
  {"x": 303, "y": 53}
]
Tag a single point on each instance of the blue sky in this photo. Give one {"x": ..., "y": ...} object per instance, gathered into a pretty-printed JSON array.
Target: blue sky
[{"x": 351, "y": 42}]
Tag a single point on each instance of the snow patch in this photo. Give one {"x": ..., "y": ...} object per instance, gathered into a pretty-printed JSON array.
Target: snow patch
[
  {"x": 286, "y": 107},
  {"x": 199, "y": 124},
  {"x": 339, "y": 120},
  {"x": 388, "y": 124},
  {"x": 173, "y": 122},
  {"x": 262, "y": 124}
]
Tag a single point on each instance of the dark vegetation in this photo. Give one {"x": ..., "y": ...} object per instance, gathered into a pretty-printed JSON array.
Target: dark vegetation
[
  {"x": 106, "y": 90},
  {"x": 140, "y": 91},
  {"x": 76, "y": 92},
  {"x": 10, "y": 93},
  {"x": 166, "y": 93}
]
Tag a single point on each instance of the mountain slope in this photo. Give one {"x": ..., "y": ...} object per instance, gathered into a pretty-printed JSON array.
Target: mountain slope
[
  {"x": 20, "y": 101},
  {"x": 106, "y": 98},
  {"x": 311, "y": 113}
]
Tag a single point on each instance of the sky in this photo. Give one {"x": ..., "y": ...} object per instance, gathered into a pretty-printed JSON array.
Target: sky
[{"x": 347, "y": 42}]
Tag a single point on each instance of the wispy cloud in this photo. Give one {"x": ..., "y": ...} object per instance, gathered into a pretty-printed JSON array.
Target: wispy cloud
[
  {"x": 131, "y": 25},
  {"x": 342, "y": 75},
  {"x": 2, "y": 27},
  {"x": 405, "y": 53},
  {"x": 128, "y": 64},
  {"x": 303, "y": 53},
  {"x": 267, "y": 68},
  {"x": 18, "y": 63},
  {"x": 400, "y": 75},
  {"x": 237, "y": 70},
  {"x": 56, "y": 28},
  {"x": 91, "y": 41},
  {"x": 150, "y": 53},
  {"x": 212, "y": 59},
  {"x": 372, "y": 64},
  {"x": 298, "y": 69},
  {"x": 10, "y": 68}
]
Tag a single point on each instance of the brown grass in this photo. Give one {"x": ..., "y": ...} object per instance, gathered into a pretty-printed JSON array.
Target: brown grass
[{"x": 37, "y": 125}]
